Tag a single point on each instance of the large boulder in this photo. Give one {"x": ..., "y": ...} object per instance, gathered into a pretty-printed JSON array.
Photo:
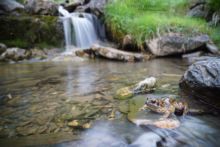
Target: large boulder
[
  {"x": 202, "y": 81},
  {"x": 171, "y": 44},
  {"x": 8, "y": 6},
  {"x": 112, "y": 54},
  {"x": 41, "y": 7},
  {"x": 15, "y": 54}
]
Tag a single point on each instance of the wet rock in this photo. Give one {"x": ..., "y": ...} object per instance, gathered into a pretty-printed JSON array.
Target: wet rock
[
  {"x": 38, "y": 54},
  {"x": 14, "y": 54},
  {"x": 212, "y": 48},
  {"x": 94, "y": 6},
  {"x": 51, "y": 80},
  {"x": 2, "y": 48},
  {"x": 67, "y": 117},
  {"x": 112, "y": 54},
  {"x": 164, "y": 124},
  {"x": 41, "y": 7},
  {"x": 79, "y": 124},
  {"x": 73, "y": 5},
  {"x": 144, "y": 86},
  {"x": 215, "y": 20},
  {"x": 176, "y": 44},
  {"x": 28, "y": 130},
  {"x": 202, "y": 81},
  {"x": 41, "y": 129}
]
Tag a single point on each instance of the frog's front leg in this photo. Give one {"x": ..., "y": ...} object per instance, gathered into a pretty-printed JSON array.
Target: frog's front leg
[
  {"x": 143, "y": 108},
  {"x": 166, "y": 115}
]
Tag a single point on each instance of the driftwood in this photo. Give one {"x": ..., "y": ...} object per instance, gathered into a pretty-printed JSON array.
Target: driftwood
[{"x": 112, "y": 54}]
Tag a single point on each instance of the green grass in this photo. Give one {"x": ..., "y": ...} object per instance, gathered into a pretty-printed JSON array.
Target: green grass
[{"x": 145, "y": 19}]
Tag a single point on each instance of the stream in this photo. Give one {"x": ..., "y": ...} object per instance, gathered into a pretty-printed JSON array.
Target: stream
[{"x": 39, "y": 100}]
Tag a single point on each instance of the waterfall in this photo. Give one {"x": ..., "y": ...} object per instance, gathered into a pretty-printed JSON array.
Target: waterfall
[{"x": 80, "y": 29}]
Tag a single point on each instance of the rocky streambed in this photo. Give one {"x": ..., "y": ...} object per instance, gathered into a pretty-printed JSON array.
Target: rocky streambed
[{"x": 72, "y": 103}]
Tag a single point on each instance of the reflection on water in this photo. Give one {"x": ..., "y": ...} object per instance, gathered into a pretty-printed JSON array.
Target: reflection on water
[{"x": 40, "y": 99}]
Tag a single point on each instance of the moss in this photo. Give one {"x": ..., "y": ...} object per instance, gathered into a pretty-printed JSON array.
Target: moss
[
  {"x": 27, "y": 31},
  {"x": 124, "y": 93}
]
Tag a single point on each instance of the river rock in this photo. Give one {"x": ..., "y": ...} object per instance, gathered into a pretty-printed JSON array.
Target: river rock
[
  {"x": 41, "y": 7},
  {"x": 15, "y": 54},
  {"x": 202, "y": 81},
  {"x": 2, "y": 48},
  {"x": 144, "y": 86},
  {"x": 171, "y": 44},
  {"x": 112, "y": 54}
]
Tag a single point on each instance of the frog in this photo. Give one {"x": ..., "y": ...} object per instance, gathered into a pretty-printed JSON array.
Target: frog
[{"x": 166, "y": 106}]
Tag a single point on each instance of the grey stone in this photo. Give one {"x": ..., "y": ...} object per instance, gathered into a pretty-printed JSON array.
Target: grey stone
[
  {"x": 176, "y": 44},
  {"x": 41, "y": 7},
  {"x": 2, "y": 48},
  {"x": 202, "y": 81}
]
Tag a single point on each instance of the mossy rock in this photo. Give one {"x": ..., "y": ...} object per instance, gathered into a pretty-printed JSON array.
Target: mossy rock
[
  {"x": 31, "y": 31},
  {"x": 124, "y": 93}
]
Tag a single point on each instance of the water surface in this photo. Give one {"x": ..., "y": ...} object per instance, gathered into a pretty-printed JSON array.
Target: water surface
[{"x": 38, "y": 100}]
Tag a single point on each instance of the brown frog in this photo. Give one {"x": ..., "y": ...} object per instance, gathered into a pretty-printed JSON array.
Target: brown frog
[{"x": 166, "y": 106}]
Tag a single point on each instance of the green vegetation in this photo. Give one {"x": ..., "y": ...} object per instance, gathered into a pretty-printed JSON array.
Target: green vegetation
[
  {"x": 147, "y": 18},
  {"x": 214, "y": 4},
  {"x": 28, "y": 31}
]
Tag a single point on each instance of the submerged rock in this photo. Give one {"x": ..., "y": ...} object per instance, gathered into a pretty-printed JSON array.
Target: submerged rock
[
  {"x": 176, "y": 44},
  {"x": 202, "y": 81},
  {"x": 79, "y": 124},
  {"x": 124, "y": 93},
  {"x": 144, "y": 86}
]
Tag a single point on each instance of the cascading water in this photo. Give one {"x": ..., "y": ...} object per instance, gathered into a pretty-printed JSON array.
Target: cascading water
[{"x": 80, "y": 29}]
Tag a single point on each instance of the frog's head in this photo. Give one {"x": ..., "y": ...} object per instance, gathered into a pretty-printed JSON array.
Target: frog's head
[{"x": 154, "y": 103}]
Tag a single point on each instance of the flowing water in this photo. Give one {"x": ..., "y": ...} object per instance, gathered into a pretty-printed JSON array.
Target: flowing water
[
  {"x": 38, "y": 100},
  {"x": 81, "y": 30}
]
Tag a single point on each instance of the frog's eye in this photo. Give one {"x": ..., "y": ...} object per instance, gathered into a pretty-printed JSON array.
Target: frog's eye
[{"x": 153, "y": 101}]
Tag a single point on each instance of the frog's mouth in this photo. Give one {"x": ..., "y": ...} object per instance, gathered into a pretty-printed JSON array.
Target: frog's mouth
[{"x": 153, "y": 104}]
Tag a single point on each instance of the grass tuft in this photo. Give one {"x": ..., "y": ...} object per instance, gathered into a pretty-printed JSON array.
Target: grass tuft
[{"x": 144, "y": 19}]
